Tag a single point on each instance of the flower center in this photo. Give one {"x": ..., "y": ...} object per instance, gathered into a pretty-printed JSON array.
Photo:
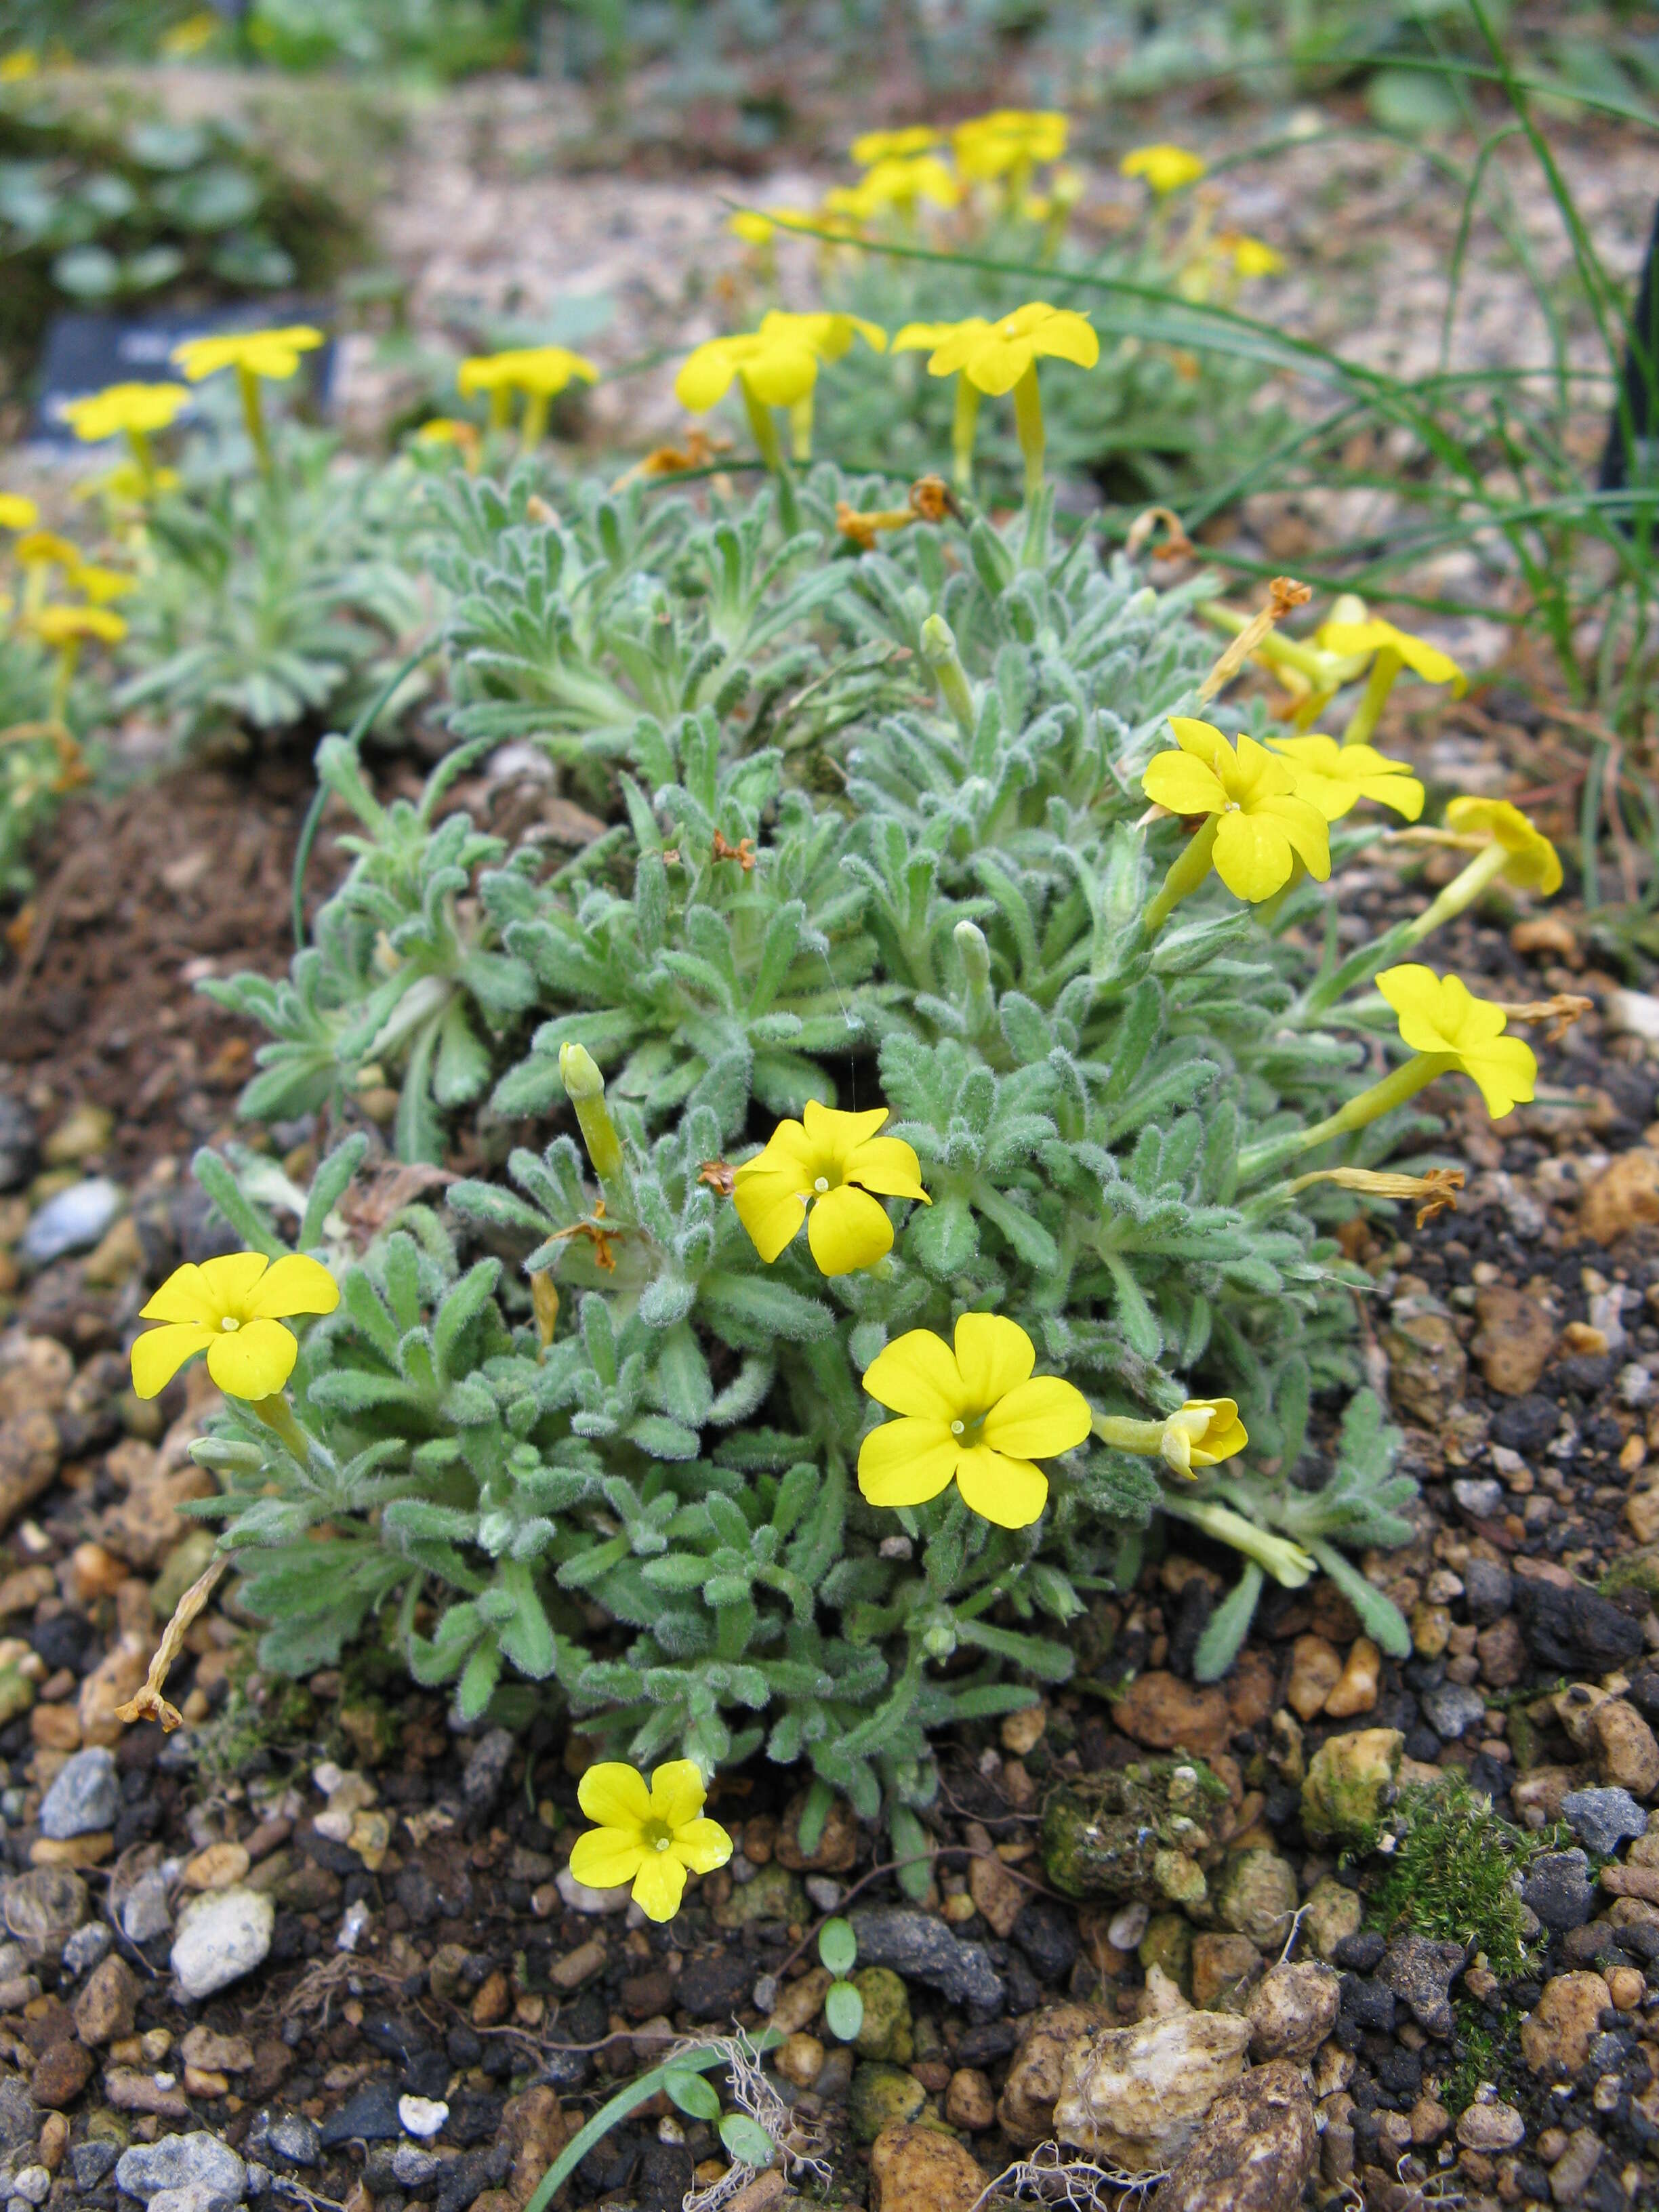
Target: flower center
[
  {"x": 656, "y": 1835},
  {"x": 821, "y": 1183},
  {"x": 957, "y": 1428},
  {"x": 230, "y": 1321}
]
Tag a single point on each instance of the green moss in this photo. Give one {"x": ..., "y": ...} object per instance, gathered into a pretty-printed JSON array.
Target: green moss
[{"x": 1451, "y": 1873}]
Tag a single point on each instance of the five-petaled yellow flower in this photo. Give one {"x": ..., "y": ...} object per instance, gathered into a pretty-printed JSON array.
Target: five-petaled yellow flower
[
  {"x": 1531, "y": 862},
  {"x": 824, "y": 1170},
  {"x": 1259, "y": 826},
  {"x": 649, "y": 1837},
  {"x": 274, "y": 355},
  {"x": 994, "y": 356},
  {"x": 1441, "y": 1018},
  {"x": 1250, "y": 257},
  {"x": 975, "y": 1415},
  {"x": 1010, "y": 140},
  {"x": 233, "y": 1310},
  {"x": 1335, "y": 777},
  {"x": 1375, "y": 635},
  {"x": 1202, "y": 1432},
  {"x": 1166, "y": 168},
  {"x": 542, "y": 371},
  {"x": 138, "y": 409},
  {"x": 17, "y": 510}
]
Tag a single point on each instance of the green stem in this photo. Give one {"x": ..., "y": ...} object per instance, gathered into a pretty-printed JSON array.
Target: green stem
[
  {"x": 761, "y": 428},
  {"x": 62, "y": 676},
  {"x": 801, "y": 430},
  {"x": 144, "y": 454},
  {"x": 533, "y": 429},
  {"x": 1464, "y": 889},
  {"x": 1187, "y": 871},
  {"x": 966, "y": 423},
  {"x": 501, "y": 406},
  {"x": 1028, "y": 428},
  {"x": 1378, "y": 684},
  {"x": 254, "y": 415},
  {"x": 1401, "y": 1084}
]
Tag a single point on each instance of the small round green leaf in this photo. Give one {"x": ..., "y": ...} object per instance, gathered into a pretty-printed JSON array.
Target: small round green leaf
[
  {"x": 838, "y": 1947},
  {"x": 746, "y": 2139},
  {"x": 694, "y": 2095},
  {"x": 843, "y": 2008}
]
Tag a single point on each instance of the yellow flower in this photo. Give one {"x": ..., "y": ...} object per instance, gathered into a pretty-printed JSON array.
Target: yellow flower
[
  {"x": 829, "y": 1164},
  {"x": 975, "y": 1415},
  {"x": 1375, "y": 635},
  {"x": 893, "y": 145},
  {"x": 829, "y": 336},
  {"x": 233, "y": 1310},
  {"x": 101, "y": 584},
  {"x": 62, "y": 625},
  {"x": 994, "y": 356},
  {"x": 756, "y": 229},
  {"x": 1441, "y": 1018},
  {"x": 1251, "y": 257},
  {"x": 1202, "y": 1432},
  {"x": 776, "y": 367},
  {"x": 647, "y": 1836},
  {"x": 1335, "y": 778},
  {"x": 899, "y": 184},
  {"x": 1009, "y": 139},
  {"x": 1532, "y": 864},
  {"x": 45, "y": 549},
  {"x": 271, "y": 354},
  {"x": 1262, "y": 826},
  {"x": 127, "y": 483},
  {"x": 542, "y": 371},
  {"x": 1166, "y": 168},
  {"x": 16, "y": 512},
  {"x": 139, "y": 408}
]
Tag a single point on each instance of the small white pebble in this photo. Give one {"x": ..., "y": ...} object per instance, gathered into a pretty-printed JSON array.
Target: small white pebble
[
  {"x": 352, "y": 1926},
  {"x": 421, "y": 2117}
]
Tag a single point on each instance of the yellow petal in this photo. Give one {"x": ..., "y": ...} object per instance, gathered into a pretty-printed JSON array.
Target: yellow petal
[
  {"x": 780, "y": 376},
  {"x": 1010, "y": 1491},
  {"x": 659, "y": 1885},
  {"x": 229, "y": 1280},
  {"x": 770, "y": 1205},
  {"x": 1252, "y": 854},
  {"x": 605, "y": 1858},
  {"x": 848, "y": 1229},
  {"x": 702, "y": 1845},
  {"x": 182, "y": 1296},
  {"x": 159, "y": 1353},
  {"x": 295, "y": 1285},
  {"x": 254, "y": 1361},
  {"x": 1226, "y": 1437},
  {"x": 614, "y": 1795},
  {"x": 1304, "y": 827},
  {"x": 1070, "y": 337},
  {"x": 886, "y": 1164},
  {"x": 1414, "y": 993},
  {"x": 992, "y": 1355},
  {"x": 678, "y": 1791},
  {"x": 906, "y": 1462},
  {"x": 706, "y": 377},
  {"x": 917, "y": 1374},
  {"x": 1403, "y": 793},
  {"x": 1039, "y": 1419},
  {"x": 839, "y": 1134},
  {"x": 1506, "y": 1071},
  {"x": 1182, "y": 784}
]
